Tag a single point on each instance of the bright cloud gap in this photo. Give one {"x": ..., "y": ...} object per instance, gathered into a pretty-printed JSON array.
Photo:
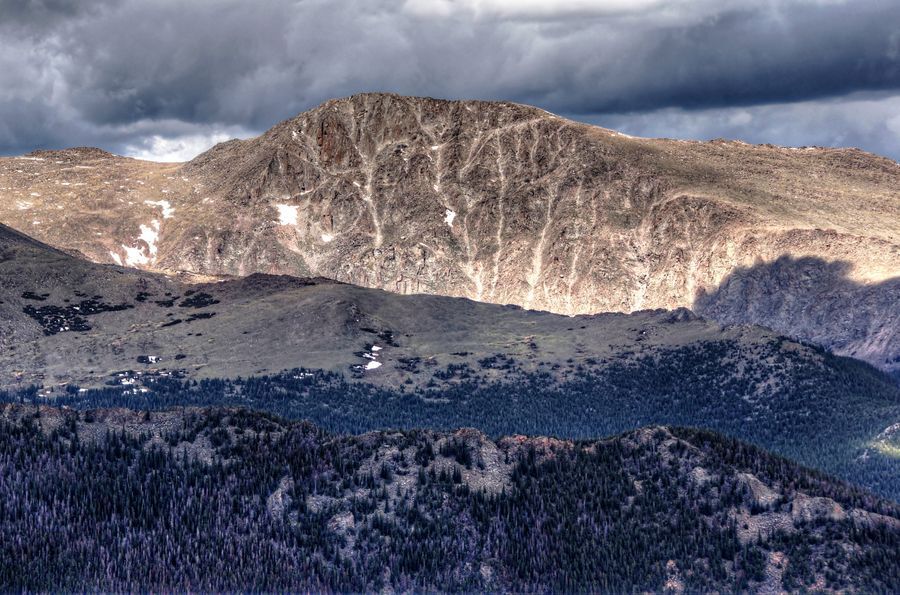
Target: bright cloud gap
[
  {"x": 868, "y": 122},
  {"x": 174, "y": 149}
]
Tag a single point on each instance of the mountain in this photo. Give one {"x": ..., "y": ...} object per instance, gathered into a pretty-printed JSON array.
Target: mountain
[
  {"x": 502, "y": 203},
  {"x": 354, "y": 359},
  {"x": 64, "y": 320},
  {"x": 226, "y": 500}
]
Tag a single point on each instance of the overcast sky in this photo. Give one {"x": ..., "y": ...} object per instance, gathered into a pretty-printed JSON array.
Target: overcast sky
[{"x": 165, "y": 79}]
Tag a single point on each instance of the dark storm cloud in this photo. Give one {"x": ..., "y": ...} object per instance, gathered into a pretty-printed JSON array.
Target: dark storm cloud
[
  {"x": 858, "y": 120},
  {"x": 749, "y": 56},
  {"x": 130, "y": 74},
  {"x": 35, "y": 16}
]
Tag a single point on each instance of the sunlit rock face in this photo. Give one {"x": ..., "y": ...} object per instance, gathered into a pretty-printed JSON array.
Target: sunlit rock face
[{"x": 502, "y": 203}]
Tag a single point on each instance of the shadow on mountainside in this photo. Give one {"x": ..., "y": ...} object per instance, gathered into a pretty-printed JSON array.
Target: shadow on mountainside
[{"x": 814, "y": 300}]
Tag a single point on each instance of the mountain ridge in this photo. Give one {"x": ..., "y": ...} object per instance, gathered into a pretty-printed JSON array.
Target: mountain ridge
[
  {"x": 79, "y": 333},
  {"x": 67, "y": 320},
  {"x": 653, "y": 509},
  {"x": 496, "y": 202}
]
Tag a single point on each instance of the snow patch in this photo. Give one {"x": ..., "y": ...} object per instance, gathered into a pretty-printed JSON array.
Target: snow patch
[
  {"x": 371, "y": 355},
  {"x": 327, "y": 237},
  {"x": 134, "y": 256},
  {"x": 150, "y": 234},
  {"x": 167, "y": 210},
  {"x": 138, "y": 255},
  {"x": 449, "y": 216},
  {"x": 287, "y": 214},
  {"x": 116, "y": 258}
]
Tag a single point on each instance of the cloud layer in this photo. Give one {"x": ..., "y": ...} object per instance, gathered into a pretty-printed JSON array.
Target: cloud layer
[{"x": 166, "y": 78}]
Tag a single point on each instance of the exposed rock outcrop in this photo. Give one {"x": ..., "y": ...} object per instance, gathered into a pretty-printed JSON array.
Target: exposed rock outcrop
[{"x": 502, "y": 203}]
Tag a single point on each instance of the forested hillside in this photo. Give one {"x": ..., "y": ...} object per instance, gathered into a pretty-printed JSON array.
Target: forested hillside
[
  {"x": 212, "y": 500},
  {"x": 828, "y": 412}
]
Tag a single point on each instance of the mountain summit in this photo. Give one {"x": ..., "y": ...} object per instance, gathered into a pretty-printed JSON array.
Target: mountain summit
[{"x": 502, "y": 203}]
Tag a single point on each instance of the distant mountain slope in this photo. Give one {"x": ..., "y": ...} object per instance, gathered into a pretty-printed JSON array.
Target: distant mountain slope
[
  {"x": 216, "y": 500},
  {"x": 426, "y": 361},
  {"x": 500, "y": 203},
  {"x": 66, "y": 320}
]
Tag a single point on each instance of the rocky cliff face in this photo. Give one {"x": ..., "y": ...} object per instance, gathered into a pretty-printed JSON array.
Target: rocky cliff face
[{"x": 501, "y": 203}]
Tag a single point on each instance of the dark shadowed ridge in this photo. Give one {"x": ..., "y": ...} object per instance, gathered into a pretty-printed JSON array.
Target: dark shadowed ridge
[{"x": 817, "y": 301}]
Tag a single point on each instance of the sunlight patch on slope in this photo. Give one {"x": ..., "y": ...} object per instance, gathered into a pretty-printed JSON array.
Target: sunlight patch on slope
[{"x": 887, "y": 442}]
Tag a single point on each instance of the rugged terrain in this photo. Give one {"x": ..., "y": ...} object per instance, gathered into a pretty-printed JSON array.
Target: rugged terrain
[
  {"x": 355, "y": 359},
  {"x": 64, "y": 320},
  {"x": 501, "y": 203},
  {"x": 222, "y": 499}
]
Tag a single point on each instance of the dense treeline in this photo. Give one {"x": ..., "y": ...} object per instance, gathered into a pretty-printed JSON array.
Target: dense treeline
[
  {"x": 822, "y": 413},
  {"x": 896, "y": 376},
  {"x": 87, "y": 505}
]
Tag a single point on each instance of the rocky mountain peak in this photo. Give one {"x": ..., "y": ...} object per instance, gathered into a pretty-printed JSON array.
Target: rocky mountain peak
[{"x": 503, "y": 203}]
